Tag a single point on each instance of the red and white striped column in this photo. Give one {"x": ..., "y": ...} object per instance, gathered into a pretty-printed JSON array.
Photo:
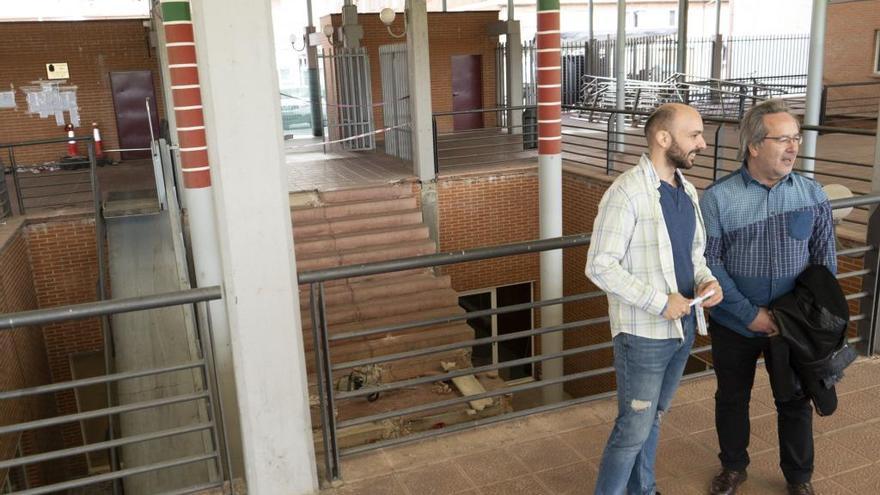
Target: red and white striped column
[{"x": 549, "y": 71}]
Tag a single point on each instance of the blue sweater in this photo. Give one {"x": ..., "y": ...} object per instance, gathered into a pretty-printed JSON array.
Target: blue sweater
[{"x": 759, "y": 239}]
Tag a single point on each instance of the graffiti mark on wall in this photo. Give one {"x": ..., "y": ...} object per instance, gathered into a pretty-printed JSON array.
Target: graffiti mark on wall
[{"x": 48, "y": 98}]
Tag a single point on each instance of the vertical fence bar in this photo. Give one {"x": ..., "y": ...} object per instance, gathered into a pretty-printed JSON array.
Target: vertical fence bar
[
  {"x": 317, "y": 315},
  {"x": 868, "y": 328},
  {"x": 434, "y": 138},
  {"x": 609, "y": 166},
  {"x": 209, "y": 352},
  {"x": 16, "y": 181},
  {"x": 333, "y": 447},
  {"x": 716, "y": 152}
]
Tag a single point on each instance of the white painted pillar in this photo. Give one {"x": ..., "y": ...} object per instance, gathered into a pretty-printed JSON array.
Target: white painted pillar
[
  {"x": 419, "y": 89},
  {"x": 240, "y": 98},
  {"x": 681, "y": 55},
  {"x": 814, "y": 84}
]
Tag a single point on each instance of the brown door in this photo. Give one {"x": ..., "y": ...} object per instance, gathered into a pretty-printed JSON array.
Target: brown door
[
  {"x": 130, "y": 92},
  {"x": 467, "y": 91}
]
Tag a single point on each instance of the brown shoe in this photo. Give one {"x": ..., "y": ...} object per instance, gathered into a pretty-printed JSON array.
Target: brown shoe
[
  {"x": 800, "y": 489},
  {"x": 727, "y": 481}
]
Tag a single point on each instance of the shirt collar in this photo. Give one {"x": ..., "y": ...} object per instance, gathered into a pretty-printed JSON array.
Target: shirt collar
[{"x": 747, "y": 177}]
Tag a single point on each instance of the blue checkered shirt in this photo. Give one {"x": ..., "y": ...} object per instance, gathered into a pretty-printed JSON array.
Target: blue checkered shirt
[{"x": 759, "y": 239}]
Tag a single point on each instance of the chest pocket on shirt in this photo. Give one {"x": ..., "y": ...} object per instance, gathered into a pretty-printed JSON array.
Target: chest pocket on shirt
[{"x": 800, "y": 224}]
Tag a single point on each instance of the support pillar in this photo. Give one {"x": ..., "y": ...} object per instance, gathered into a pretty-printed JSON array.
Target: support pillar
[
  {"x": 549, "y": 63},
  {"x": 236, "y": 47},
  {"x": 681, "y": 56},
  {"x": 814, "y": 84},
  {"x": 179, "y": 56},
  {"x": 514, "y": 78},
  {"x": 620, "y": 74}
]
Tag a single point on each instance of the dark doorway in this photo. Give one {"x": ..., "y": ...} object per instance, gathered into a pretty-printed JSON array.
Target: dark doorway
[
  {"x": 467, "y": 91},
  {"x": 131, "y": 89}
]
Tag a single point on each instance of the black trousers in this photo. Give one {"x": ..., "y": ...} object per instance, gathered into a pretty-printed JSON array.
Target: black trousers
[{"x": 735, "y": 358}]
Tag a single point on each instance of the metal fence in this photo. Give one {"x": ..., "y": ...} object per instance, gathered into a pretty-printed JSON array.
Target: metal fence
[
  {"x": 329, "y": 370},
  {"x": 653, "y": 58},
  {"x": 850, "y": 103},
  {"x": 211, "y": 425},
  {"x": 349, "y": 97}
]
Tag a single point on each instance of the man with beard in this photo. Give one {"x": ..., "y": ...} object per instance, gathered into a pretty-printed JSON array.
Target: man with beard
[
  {"x": 646, "y": 253},
  {"x": 764, "y": 226}
]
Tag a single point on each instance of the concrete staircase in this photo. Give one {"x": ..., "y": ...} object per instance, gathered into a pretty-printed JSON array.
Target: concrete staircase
[{"x": 364, "y": 225}]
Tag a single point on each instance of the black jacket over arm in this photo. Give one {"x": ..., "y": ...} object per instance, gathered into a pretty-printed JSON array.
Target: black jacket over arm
[{"x": 810, "y": 352}]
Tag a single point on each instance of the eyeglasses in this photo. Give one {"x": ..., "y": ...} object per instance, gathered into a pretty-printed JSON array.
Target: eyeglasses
[{"x": 786, "y": 140}]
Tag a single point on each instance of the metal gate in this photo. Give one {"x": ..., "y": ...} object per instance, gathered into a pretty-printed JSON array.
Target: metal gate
[
  {"x": 395, "y": 96},
  {"x": 349, "y": 97}
]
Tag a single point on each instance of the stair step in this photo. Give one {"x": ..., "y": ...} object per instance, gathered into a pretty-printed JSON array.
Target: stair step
[
  {"x": 373, "y": 309},
  {"x": 361, "y": 239},
  {"x": 355, "y": 223},
  {"x": 384, "y": 252},
  {"x": 339, "y": 210},
  {"x": 387, "y": 191},
  {"x": 377, "y": 289}
]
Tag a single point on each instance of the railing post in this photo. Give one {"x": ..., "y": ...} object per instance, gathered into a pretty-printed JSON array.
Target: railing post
[
  {"x": 716, "y": 152},
  {"x": 321, "y": 346},
  {"x": 823, "y": 105},
  {"x": 436, "y": 153},
  {"x": 609, "y": 166},
  {"x": 868, "y": 327},
  {"x": 742, "y": 101},
  {"x": 15, "y": 181}
]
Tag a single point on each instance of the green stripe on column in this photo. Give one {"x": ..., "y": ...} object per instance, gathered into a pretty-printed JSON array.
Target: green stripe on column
[
  {"x": 548, "y": 5},
  {"x": 179, "y": 11}
]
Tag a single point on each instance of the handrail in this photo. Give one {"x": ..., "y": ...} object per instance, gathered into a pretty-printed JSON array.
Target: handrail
[
  {"x": 45, "y": 141},
  {"x": 111, "y": 306},
  {"x": 859, "y": 83}
]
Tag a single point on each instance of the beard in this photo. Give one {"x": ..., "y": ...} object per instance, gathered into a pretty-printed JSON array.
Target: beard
[{"x": 678, "y": 157}]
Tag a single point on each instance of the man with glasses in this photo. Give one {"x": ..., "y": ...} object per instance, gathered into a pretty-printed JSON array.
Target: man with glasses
[{"x": 764, "y": 225}]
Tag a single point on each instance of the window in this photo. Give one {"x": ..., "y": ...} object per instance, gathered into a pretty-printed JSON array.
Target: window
[
  {"x": 877, "y": 53},
  {"x": 502, "y": 324}
]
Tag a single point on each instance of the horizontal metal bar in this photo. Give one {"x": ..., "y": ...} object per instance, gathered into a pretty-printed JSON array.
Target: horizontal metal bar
[
  {"x": 867, "y": 199},
  {"x": 56, "y": 387},
  {"x": 861, "y": 83},
  {"x": 88, "y": 310},
  {"x": 197, "y": 489},
  {"x": 854, "y": 273},
  {"x": 97, "y": 413},
  {"x": 467, "y": 398},
  {"x": 128, "y": 149},
  {"x": 468, "y": 343},
  {"x": 92, "y": 447},
  {"x": 25, "y": 187},
  {"x": 473, "y": 314},
  {"x": 447, "y": 258},
  {"x": 470, "y": 371},
  {"x": 482, "y": 110},
  {"x": 45, "y": 141},
  {"x": 114, "y": 475}
]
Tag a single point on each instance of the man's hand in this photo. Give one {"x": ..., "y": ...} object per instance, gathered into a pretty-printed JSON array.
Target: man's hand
[
  {"x": 706, "y": 287},
  {"x": 677, "y": 306},
  {"x": 764, "y": 323}
]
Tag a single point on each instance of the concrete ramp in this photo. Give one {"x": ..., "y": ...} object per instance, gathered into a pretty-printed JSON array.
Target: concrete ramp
[{"x": 146, "y": 256}]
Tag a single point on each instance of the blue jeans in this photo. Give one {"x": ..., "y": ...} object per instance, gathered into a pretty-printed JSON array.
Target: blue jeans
[{"x": 648, "y": 373}]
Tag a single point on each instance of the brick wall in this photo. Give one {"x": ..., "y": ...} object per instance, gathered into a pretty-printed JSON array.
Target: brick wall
[
  {"x": 23, "y": 361},
  {"x": 850, "y": 50},
  {"x": 92, "y": 49},
  {"x": 450, "y": 33},
  {"x": 63, "y": 258}
]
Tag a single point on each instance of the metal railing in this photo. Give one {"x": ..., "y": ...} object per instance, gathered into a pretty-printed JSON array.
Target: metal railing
[
  {"x": 849, "y": 103},
  {"x": 497, "y": 142},
  {"x": 66, "y": 183},
  {"x": 206, "y": 394},
  {"x": 332, "y": 402}
]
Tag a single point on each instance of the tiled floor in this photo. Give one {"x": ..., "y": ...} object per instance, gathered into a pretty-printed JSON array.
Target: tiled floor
[{"x": 558, "y": 452}]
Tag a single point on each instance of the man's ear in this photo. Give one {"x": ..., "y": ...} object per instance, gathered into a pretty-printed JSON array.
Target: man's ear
[
  {"x": 663, "y": 138},
  {"x": 753, "y": 150}
]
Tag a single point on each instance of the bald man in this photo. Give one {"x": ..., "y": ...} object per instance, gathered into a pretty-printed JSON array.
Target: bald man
[{"x": 646, "y": 253}]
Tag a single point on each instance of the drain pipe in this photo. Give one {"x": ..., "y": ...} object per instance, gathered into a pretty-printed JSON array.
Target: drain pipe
[
  {"x": 314, "y": 79},
  {"x": 549, "y": 62},
  {"x": 814, "y": 84},
  {"x": 180, "y": 52}
]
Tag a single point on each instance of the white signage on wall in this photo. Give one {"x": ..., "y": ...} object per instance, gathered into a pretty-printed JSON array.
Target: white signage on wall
[{"x": 57, "y": 70}]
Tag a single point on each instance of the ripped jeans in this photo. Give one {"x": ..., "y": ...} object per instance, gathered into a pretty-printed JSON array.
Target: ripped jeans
[{"x": 648, "y": 372}]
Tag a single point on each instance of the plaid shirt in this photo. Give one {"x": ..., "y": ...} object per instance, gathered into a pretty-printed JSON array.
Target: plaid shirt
[{"x": 630, "y": 255}]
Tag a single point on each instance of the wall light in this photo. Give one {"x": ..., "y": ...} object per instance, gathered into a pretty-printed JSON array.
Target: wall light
[{"x": 387, "y": 17}]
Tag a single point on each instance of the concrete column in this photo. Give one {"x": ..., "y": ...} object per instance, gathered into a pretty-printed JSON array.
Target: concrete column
[
  {"x": 620, "y": 72},
  {"x": 549, "y": 65},
  {"x": 681, "y": 58},
  {"x": 718, "y": 44},
  {"x": 514, "y": 78},
  {"x": 352, "y": 32},
  {"x": 814, "y": 83},
  {"x": 419, "y": 89},
  {"x": 179, "y": 59},
  {"x": 314, "y": 78},
  {"x": 244, "y": 144}
]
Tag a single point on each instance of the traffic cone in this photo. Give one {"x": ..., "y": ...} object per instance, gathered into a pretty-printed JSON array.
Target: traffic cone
[
  {"x": 71, "y": 143},
  {"x": 99, "y": 149}
]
